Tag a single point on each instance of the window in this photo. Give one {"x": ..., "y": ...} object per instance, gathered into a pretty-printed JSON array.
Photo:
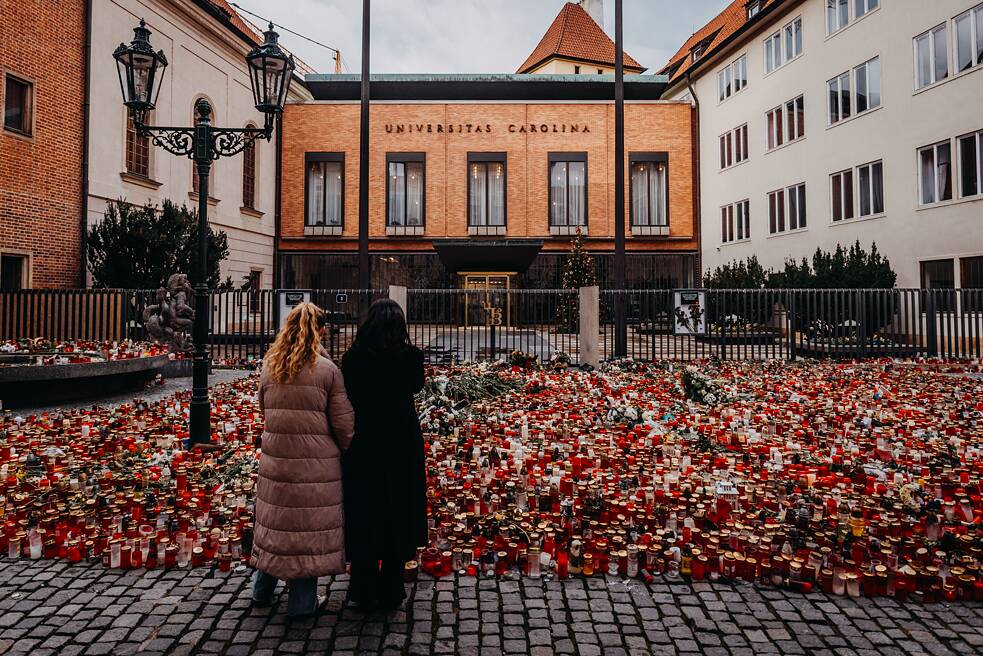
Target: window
[
  {"x": 137, "y": 151},
  {"x": 870, "y": 188},
  {"x": 325, "y": 193},
  {"x": 839, "y": 98},
  {"x": 787, "y": 209},
  {"x": 649, "y": 189},
  {"x": 600, "y": 71},
  {"x": 931, "y": 57},
  {"x": 855, "y": 92},
  {"x": 576, "y": 70},
  {"x": 969, "y": 39},
  {"x": 405, "y": 192},
  {"x": 837, "y": 15},
  {"x": 867, "y": 77},
  {"x": 753, "y": 7},
  {"x": 938, "y": 274},
  {"x": 735, "y": 222},
  {"x": 786, "y": 122},
  {"x": 971, "y": 278},
  {"x": 13, "y": 272},
  {"x": 733, "y": 78},
  {"x": 971, "y": 273},
  {"x": 842, "y": 188},
  {"x": 18, "y": 105},
  {"x": 486, "y": 193},
  {"x": 784, "y": 45},
  {"x": 971, "y": 165},
  {"x": 568, "y": 192},
  {"x": 698, "y": 51},
  {"x": 249, "y": 174},
  {"x": 733, "y": 147},
  {"x": 864, "y": 7},
  {"x": 935, "y": 173}
]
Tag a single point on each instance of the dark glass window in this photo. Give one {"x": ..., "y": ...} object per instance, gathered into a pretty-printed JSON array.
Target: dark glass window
[
  {"x": 249, "y": 175},
  {"x": 18, "y": 102},
  {"x": 12, "y": 272}
]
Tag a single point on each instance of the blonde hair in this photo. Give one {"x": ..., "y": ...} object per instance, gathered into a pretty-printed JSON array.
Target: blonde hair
[{"x": 297, "y": 344}]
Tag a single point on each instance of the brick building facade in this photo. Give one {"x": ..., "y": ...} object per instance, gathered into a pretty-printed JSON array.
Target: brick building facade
[
  {"x": 545, "y": 143},
  {"x": 42, "y": 84}
]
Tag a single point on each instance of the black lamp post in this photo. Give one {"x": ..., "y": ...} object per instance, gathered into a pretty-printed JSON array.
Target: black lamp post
[{"x": 140, "y": 76}]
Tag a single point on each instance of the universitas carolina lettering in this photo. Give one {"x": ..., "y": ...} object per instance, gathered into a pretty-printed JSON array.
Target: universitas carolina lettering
[{"x": 483, "y": 128}]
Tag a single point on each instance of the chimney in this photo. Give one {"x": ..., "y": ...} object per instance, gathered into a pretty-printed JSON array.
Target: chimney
[{"x": 595, "y": 9}]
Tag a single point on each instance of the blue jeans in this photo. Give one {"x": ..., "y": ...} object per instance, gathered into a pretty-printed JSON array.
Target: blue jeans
[{"x": 301, "y": 596}]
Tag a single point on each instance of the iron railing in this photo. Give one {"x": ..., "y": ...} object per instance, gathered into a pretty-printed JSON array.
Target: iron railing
[{"x": 456, "y": 325}]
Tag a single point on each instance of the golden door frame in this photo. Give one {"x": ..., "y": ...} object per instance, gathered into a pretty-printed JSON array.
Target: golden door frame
[{"x": 484, "y": 282}]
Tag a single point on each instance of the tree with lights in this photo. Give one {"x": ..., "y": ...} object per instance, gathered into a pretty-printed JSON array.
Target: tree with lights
[{"x": 578, "y": 271}]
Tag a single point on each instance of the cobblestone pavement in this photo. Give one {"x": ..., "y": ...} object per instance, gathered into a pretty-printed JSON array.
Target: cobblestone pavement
[{"x": 49, "y": 607}]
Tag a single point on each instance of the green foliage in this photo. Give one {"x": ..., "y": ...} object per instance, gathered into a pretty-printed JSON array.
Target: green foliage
[
  {"x": 852, "y": 268},
  {"x": 744, "y": 274},
  {"x": 139, "y": 247},
  {"x": 578, "y": 271}
]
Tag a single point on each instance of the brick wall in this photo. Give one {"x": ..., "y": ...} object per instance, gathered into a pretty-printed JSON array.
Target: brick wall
[
  {"x": 41, "y": 176},
  {"x": 335, "y": 128}
]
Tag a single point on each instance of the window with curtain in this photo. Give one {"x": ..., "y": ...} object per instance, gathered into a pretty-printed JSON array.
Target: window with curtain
[
  {"x": 735, "y": 222},
  {"x": 867, "y": 82},
  {"x": 324, "y": 190},
  {"x": 733, "y": 147},
  {"x": 938, "y": 274},
  {"x": 935, "y": 173},
  {"x": 249, "y": 174},
  {"x": 568, "y": 191},
  {"x": 137, "y": 151},
  {"x": 931, "y": 57},
  {"x": 870, "y": 188},
  {"x": 486, "y": 191},
  {"x": 787, "y": 209},
  {"x": 969, "y": 39},
  {"x": 784, "y": 45},
  {"x": 732, "y": 78},
  {"x": 786, "y": 122},
  {"x": 841, "y": 185},
  {"x": 649, "y": 203},
  {"x": 405, "y": 190},
  {"x": 971, "y": 165}
]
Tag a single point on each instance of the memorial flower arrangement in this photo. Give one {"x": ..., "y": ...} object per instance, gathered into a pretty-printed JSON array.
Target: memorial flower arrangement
[{"x": 859, "y": 479}]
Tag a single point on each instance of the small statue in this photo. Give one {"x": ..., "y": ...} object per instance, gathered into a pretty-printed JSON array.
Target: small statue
[{"x": 170, "y": 319}]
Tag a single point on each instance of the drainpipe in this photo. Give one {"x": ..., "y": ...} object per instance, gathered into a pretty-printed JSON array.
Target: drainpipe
[
  {"x": 86, "y": 94},
  {"x": 698, "y": 197}
]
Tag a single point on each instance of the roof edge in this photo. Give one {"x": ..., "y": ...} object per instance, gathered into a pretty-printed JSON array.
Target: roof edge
[{"x": 484, "y": 77}]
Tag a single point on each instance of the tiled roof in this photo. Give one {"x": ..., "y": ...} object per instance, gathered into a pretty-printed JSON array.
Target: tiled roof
[
  {"x": 575, "y": 35},
  {"x": 711, "y": 35}
]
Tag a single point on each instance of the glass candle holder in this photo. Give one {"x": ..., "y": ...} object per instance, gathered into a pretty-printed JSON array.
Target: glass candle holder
[{"x": 852, "y": 584}]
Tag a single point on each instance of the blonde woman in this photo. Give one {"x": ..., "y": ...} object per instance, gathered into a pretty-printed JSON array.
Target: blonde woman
[{"x": 309, "y": 424}]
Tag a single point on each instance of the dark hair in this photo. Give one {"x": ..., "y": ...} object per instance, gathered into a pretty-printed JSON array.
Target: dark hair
[{"x": 384, "y": 328}]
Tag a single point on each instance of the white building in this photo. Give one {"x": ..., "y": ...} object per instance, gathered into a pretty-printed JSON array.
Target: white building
[
  {"x": 832, "y": 121},
  {"x": 205, "y": 42}
]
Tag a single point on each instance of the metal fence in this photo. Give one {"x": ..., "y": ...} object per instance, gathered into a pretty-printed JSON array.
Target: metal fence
[
  {"x": 461, "y": 325},
  {"x": 792, "y": 323},
  {"x": 457, "y": 325}
]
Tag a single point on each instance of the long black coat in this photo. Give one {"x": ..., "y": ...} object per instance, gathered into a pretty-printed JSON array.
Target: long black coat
[{"x": 384, "y": 469}]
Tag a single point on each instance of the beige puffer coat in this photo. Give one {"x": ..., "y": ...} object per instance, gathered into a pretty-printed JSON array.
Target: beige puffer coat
[{"x": 299, "y": 515}]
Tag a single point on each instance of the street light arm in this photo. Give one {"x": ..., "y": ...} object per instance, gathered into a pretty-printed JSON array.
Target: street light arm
[
  {"x": 231, "y": 141},
  {"x": 177, "y": 141}
]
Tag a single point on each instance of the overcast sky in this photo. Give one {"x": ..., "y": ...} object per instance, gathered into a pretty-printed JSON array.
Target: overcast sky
[{"x": 467, "y": 36}]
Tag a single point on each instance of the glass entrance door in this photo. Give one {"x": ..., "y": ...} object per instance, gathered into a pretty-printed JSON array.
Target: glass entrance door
[{"x": 487, "y": 302}]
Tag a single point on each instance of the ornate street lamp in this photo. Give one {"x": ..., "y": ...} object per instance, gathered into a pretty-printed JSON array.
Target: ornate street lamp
[{"x": 140, "y": 76}]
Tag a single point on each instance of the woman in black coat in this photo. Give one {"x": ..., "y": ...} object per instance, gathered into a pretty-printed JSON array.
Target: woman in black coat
[{"x": 384, "y": 469}]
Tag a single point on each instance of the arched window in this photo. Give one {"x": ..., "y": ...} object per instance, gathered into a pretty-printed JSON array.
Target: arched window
[
  {"x": 137, "y": 150},
  {"x": 249, "y": 174}
]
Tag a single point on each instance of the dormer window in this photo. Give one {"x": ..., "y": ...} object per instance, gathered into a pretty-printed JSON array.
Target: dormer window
[
  {"x": 753, "y": 7},
  {"x": 698, "y": 51}
]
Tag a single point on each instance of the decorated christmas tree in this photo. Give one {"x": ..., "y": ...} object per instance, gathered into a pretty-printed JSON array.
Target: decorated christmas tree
[{"x": 578, "y": 271}]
